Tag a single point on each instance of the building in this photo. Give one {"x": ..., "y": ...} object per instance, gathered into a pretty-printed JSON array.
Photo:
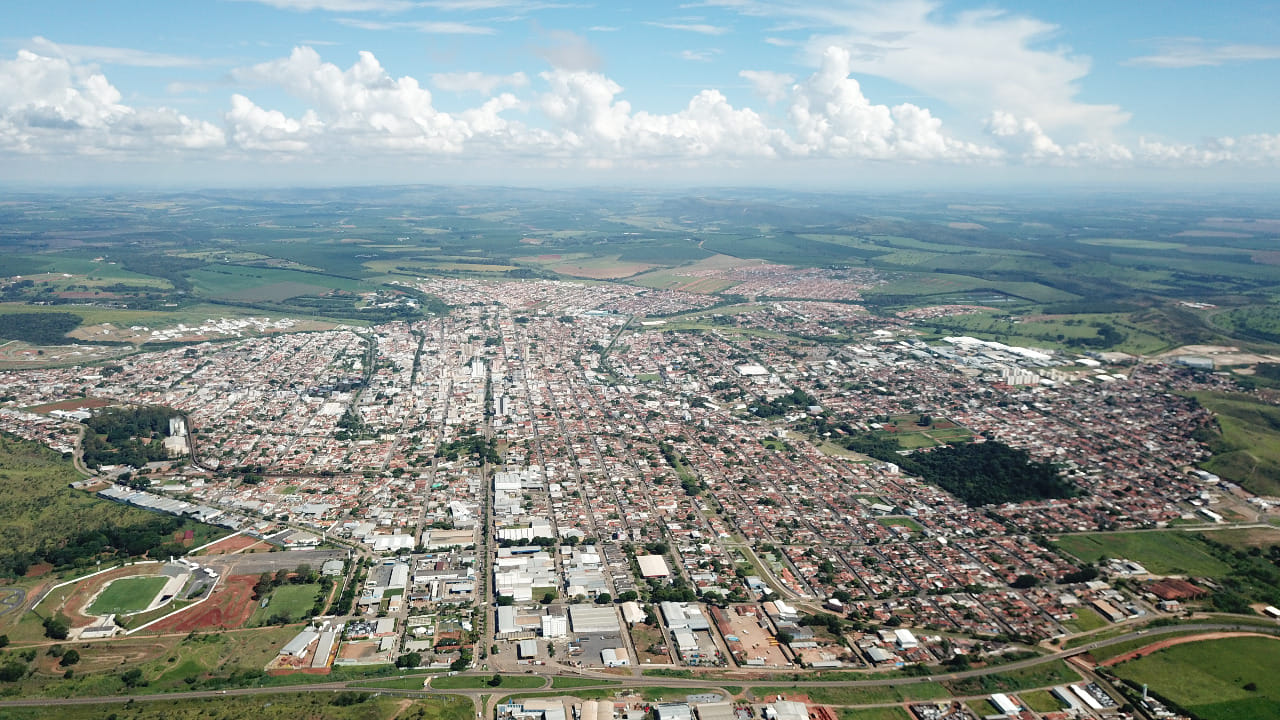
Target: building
[
  {"x": 1004, "y": 704},
  {"x": 554, "y": 626},
  {"x": 653, "y": 566},
  {"x": 298, "y": 646},
  {"x": 591, "y": 619},
  {"x": 527, "y": 649},
  {"x": 631, "y": 612},
  {"x": 615, "y": 657},
  {"x": 672, "y": 711}
]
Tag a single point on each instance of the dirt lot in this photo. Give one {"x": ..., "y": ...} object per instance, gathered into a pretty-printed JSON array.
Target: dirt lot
[
  {"x": 72, "y": 404},
  {"x": 228, "y": 607},
  {"x": 234, "y": 544}
]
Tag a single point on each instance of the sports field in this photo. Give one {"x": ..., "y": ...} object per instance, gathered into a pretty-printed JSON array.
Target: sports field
[{"x": 127, "y": 595}]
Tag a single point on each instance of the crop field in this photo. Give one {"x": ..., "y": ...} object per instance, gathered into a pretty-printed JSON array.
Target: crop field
[
  {"x": 1246, "y": 537},
  {"x": 1226, "y": 679},
  {"x": 127, "y": 595},
  {"x": 1161, "y": 553}
]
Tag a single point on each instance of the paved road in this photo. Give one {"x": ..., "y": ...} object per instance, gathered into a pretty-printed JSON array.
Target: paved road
[{"x": 651, "y": 681}]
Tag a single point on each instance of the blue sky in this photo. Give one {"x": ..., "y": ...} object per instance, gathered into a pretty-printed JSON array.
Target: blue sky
[{"x": 854, "y": 93}]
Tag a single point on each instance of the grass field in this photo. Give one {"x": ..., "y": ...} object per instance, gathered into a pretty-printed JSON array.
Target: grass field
[
  {"x": 574, "y": 682},
  {"x": 1246, "y": 537},
  {"x": 261, "y": 707},
  {"x": 1042, "y": 701},
  {"x": 479, "y": 682},
  {"x": 1055, "y": 673},
  {"x": 1228, "y": 679},
  {"x": 1248, "y": 450},
  {"x": 293, "y": 600},
  {"x": 862, "y": 695},
  {"x": 1162, "y": 553},
  {"x": 40, "y": 510},
  {"x": 127, "y": 595},
  {"x": 1086, "y": 619}
]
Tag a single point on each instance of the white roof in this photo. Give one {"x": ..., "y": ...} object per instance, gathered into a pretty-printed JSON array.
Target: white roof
[{"x": 653, "y": 566}]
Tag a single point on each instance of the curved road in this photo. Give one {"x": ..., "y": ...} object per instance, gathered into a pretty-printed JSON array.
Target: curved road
[{"x": 623, "y": 682}]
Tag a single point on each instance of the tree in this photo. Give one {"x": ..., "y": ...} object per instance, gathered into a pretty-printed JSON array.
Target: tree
[
  {"x": 409, "y": 660},
  {"x": 495, "y": 681},
  {"x": 785, "y": 637},
  {"x": 69, "y": 658},
  {"x": 56, "y": 628},
  {"x": 1024, "y": 582},
  {"x": 604, "y": 599}
]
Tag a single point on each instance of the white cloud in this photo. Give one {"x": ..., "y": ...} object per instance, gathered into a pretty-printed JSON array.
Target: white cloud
[
  {"x": 423, "y": 26},
  {"x": 831, "y": 117},
  {"x": 111, "y": 55},
  {"x": 699, "y": 55},
  {"x": 773, "y": 86},
  {"x": 362, "y": 105},
  {"x": 339, "y": 5},
  {"x": 50, "y": 104},
  {"x": 590, "y": 122},
  {"x": 253, "y": 128},
  {"x": 700, "y": 28},
  {"x": 1194, "y": 52},
  {"x": 604, "y": 28},
  {"x": 462, "y": 82},
  {"x": 565, "y": 50},
  {"x": 975, "y": 60}
]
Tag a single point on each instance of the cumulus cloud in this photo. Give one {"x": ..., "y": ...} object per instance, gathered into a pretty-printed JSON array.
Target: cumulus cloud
[
  {"x": 975, "y": 60},
  {"x": 363, "y": 105},
  {"x": 832, "y": 117},
  {"x": 50, "y": 104},
  {"x": 477, "y": 82}
]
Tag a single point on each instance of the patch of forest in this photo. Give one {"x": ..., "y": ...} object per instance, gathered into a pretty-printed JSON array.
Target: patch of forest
[
  {"x": 987, "y": 473},
  {"x": 38, "y": 328},
  {"x": 127, "y": 436}
]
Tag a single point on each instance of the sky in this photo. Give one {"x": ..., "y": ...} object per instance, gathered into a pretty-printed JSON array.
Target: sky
[{"x": 786, "y": 93}]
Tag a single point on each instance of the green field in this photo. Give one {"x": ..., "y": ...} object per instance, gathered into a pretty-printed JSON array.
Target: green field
[
  {"x": 479, "y": 682},
  {"x": 576, "y": 682},
  {"x": 862, "y": 695},
  {"x": 1086, "y": 619},
  {"x": 127, "y": 595},
  {"x": 1247, "y": 451},
  {"x": 284, "y": 706},
  {"x": 1228, "y": 679},
  {"x": 292, "y": 600},
  {"x": 1160, "y": 552},
  {"x": 1042, "y": 701},
  {"x": 1054, "y": 673}
]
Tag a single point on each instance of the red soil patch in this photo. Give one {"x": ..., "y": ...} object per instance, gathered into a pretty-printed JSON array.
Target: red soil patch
[
  {"x": 38, "y": 570},
  {"x": 72, "y": 404},
  {"x": 228, "y": 607},
  {"x": 231, "y": 544},
  {"x": 1175, "y": 641}
]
